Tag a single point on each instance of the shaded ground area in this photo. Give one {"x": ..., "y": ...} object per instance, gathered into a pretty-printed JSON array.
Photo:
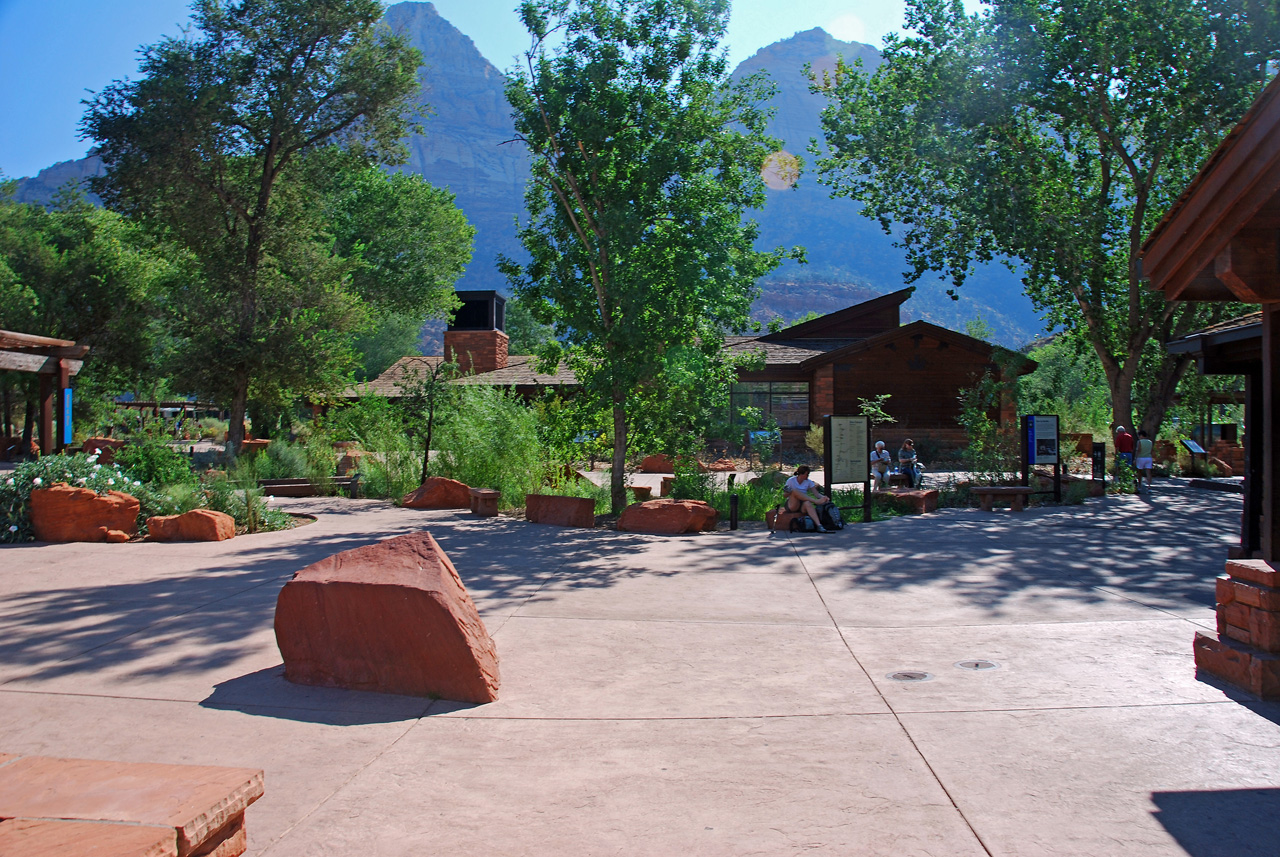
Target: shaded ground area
[{"x": 725, "y": 693}]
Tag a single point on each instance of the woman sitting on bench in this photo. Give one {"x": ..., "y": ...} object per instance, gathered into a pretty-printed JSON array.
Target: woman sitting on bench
[{"x": 799, "y": 498}]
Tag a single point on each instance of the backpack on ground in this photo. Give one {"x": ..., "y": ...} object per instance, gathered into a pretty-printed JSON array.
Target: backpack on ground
[
  {"x": 803, "y": 524},
  {"x": 829, "y": 513}
]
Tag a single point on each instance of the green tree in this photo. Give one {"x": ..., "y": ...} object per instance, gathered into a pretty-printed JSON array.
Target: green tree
[
  {"x": 224, "y": 142},
  {"x": 528, "y": 335},
  {"x": 1053, "y": 134},
  {"x": 645, "y": 159}
]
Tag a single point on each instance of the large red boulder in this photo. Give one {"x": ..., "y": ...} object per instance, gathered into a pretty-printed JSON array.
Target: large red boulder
[
  {"x": 392, "y": 617},
  {"x": 103, "y": 447},
  {"x": 198, "y": 525},
  {"x": 61, "y": 513},
  {"x": 559, "y": 510},
  {"x": 439, "y": 493},
  {"x": 668, "y": 517}
]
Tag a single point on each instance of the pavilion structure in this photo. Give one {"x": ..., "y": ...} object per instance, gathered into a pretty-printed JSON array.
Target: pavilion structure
[
  {"x": 1221, "y": 242},
  {"x": 55, "y": 361}
]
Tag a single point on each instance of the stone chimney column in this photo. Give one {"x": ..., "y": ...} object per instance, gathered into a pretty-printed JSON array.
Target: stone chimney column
[{"x": 477, "y": 351}]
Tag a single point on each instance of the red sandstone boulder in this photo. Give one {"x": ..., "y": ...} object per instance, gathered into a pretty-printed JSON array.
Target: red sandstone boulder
[
  {"x": 103, "y": 447},
  {"x": 249, "y": 446},
  {"x": 559, "y": 510},
  {"x": 439, "y": 493},
  {"x": 722, "y": 465},
  {"x": 668, "y": 517},
  {"x": 392, "y": 617},
  {"x": 61, "y": 513},
  {"x": 198, "y": 525},
  {"x": 350, "y": 461},
  {"x": 1224, "y": 469},
  {"x": 657, "y": 464}
]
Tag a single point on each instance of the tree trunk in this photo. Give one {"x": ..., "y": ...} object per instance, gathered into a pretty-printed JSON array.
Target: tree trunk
[
  {"x": 617, "y": 481},
  {"x": 235, "y": 430},
  {"x": 426, "y": 452},
  {"x": 1160, "y": 398}
]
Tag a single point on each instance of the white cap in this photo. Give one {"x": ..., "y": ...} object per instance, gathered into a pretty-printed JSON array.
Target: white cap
[{"x": 1119, "y": 429}]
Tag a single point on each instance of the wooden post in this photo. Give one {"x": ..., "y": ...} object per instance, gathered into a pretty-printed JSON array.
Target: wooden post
[
  {"x": 1254, "y": 456},
  {"x": 46, "y": 414},
  {"x": 1271, "y": 445}
]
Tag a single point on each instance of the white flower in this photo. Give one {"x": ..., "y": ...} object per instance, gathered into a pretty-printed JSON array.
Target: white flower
[
  {"x": 37, "y": 481},
  {"x": 270, "y": 499},
  {"x": 97, "y": 467},
  {"x": 8, "y": 481},
  {"x": 111, "y": 482},
  {"x": 91, "y": 459},
  {"x": 82, "y": 480},
  {"x": 136, "y": 482},
  {"x": 13, "y": 528}
]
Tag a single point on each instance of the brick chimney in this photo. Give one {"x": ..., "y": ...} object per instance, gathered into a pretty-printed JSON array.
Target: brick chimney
[{"x": 475, "y": 340}]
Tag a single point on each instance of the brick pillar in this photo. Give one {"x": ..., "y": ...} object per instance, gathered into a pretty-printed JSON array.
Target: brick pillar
[{"x": 476, "y": 351}]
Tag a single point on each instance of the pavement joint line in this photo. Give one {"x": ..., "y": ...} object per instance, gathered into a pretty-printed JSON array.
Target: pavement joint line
[
  {"x": 1103, "y": 588},
  {"x": 320, "y": 803},
  {"x": 669, "y": 621},
  {"x": 896, "y": 717}
]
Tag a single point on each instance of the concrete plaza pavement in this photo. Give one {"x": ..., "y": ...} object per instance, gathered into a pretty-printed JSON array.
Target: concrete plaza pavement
[{"x": 720, "y": 694}]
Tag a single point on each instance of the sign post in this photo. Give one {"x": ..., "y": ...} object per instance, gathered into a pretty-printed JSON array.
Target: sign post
[
  {"x": 1040, "y": 446},
  {"x": 847, "y": 455},
  {"x": 66, "y": 416}
]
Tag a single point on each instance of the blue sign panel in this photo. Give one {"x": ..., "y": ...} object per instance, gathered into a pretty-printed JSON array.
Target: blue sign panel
[{"x": 66, "y": 416}]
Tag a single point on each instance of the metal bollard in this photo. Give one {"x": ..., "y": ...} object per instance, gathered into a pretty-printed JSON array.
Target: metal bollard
[{"x": 733, "y": 511}]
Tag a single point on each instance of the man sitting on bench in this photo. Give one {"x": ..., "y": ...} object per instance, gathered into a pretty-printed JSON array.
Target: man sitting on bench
[{"x": 799, "y": 497}]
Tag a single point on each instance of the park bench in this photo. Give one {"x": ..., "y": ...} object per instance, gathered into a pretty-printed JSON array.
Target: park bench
[
  {"x": 987, "y": 494},
  {"x": 484, "y": 502},
  {"x": 307, "y": 488},
  {"x": 75, "y": 807}
]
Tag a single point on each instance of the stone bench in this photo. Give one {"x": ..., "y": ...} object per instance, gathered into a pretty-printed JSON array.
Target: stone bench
[
  {"x": 484, "y": 502},
  {"x": 560, "y": 511},
  {"x": 668, "y": 517},
  {"x": 81, "y": 806},
  {"x": 917, "y": 502},
  {"x": 1016, "y": 494},
  {"x": 779, "y": 519}
]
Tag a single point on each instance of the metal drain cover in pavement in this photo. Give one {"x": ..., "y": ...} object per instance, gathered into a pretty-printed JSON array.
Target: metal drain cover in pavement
[
  {"x": 909, "y": 675},
  {"x": 977, "y": 664}
]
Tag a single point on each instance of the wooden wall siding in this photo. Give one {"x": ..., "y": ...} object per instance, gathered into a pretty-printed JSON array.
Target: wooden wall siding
[{"x": 922, "y": 375}]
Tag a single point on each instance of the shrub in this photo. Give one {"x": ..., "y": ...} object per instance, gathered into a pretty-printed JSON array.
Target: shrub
[
  {"x": 491, "y": 441},
  {"x": 152, "y": 461}
]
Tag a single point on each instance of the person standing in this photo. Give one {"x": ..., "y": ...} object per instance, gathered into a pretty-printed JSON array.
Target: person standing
[
  {"x": 799, "y": 490},
  {"x": 1143, "y": 456},
  {"x": 881, "y": 460},
  {"x": 1124, "y": 446}
]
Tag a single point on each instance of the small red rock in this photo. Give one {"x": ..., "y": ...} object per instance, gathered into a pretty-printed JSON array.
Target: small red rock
[
  {"x": 198, "y": 525},
  {"x": 61, "y": 513},
  {"x": 439, "y": 493},
  {"x": 657, "y": 464},
  {"x": 722, "y": 465},
  {"x": 103, "y": 447},
  {"x": 668, "y": 517}
]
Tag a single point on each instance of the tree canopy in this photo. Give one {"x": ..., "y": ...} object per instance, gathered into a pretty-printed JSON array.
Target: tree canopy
[
  {"x": 224, "y": 144},
  {"x": 1055, "y": 135},
  {"x": 645, "y": 160}
]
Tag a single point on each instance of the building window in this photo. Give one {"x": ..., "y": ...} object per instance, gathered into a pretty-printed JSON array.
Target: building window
[{"x": 785, "y": 401}]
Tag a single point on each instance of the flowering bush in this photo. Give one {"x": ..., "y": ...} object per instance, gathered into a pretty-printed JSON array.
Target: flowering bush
[{"x": 80, "y": 471}]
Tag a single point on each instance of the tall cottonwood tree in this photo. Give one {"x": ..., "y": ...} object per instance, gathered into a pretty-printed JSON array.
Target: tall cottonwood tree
[
  {"x": 645, "y": 160},
  {"x": 224, "y": 143},
  {"x": 1055, "y": 134}
]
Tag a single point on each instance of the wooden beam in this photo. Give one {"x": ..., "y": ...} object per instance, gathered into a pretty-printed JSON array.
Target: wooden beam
[
  {"x": 1270, "y": 535},
  {"x": 12, "y": 339},
  {"x": 1250, "y": 265},
  {"x": 1205, "y": 286},
  {"x": 17, "y": 361}
]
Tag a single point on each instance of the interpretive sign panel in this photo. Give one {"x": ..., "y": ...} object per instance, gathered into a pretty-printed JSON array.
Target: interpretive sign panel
[
  {"x": 848, "y": 450},
  {"x": 1193, "y": 447},
  {"x": 1042, "y": 439}
]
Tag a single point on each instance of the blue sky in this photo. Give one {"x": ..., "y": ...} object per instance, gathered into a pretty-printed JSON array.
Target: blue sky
[{"x": 54, "y": 52}]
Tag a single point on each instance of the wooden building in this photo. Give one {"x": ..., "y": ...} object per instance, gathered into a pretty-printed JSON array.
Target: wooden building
[
  {"x": 822, "y": 366},
  {"x": 1221, "y": 242},
  {"x": 55, "y": 361},
  {"x": 826, "y": 365}
]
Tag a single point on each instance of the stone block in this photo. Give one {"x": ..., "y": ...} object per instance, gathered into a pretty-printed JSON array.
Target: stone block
[
  {"x": 1238, "y": 633},
  {"x": 560, "y": 511},
  {"x": 665, "y": 490},
  {"x": 1254, "y": 571},
  {"x": 1263, "y": 597},
  {"x": 439, "y": 493},
  {"x": 61, "y": 513},
  {"x": 641, "y": 492},
  {"x": 1245, "y": 667},
  {"x": 1224, "y": 590},
  {"x": 1264, "y": 629},
  {"x": 253, "y": 447},
  {"x": 668, "y": 517},
  {"x": 779, "y": 520},
  {"x": 916, "y": 502},
  {"x": 392, "y": 617},
  {"x": 1235, "y": 613},
  {"x": 349, "y": 462},
  {"x": 39, "y": 837},
  {"x": 484, "y": 502},
  {"x": 197, "y": 525},
  {"x": 203, "y": 806},
  {"x": 657, "y": 464}
]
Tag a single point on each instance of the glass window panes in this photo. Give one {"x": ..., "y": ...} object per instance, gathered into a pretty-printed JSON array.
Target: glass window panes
[{"x": 786, "y": 401}]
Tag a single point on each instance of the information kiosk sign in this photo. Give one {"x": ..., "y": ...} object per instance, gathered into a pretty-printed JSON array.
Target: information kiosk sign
[
  {"x": 1040, "y": 446},
  {"x": 847, "y": 458}
]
